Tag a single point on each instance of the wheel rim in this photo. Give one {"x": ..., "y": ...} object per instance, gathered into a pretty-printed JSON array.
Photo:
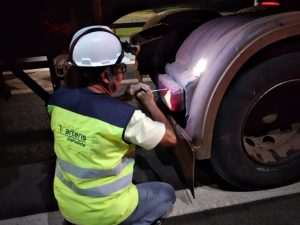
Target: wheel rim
[{"x": 271, "y": 131}]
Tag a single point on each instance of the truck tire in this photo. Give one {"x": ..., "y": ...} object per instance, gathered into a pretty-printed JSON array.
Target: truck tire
[{"x": 256, "y": 139}]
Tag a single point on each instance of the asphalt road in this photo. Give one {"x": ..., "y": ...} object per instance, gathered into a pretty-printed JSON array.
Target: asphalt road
[{"x": 282, "y": 210}]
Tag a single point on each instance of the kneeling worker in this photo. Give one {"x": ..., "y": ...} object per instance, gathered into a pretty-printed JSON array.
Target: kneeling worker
[{"x": 93, "y": 132}]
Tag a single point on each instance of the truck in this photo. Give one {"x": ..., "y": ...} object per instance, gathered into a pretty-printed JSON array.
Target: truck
[{"x": 228, "y": 70}]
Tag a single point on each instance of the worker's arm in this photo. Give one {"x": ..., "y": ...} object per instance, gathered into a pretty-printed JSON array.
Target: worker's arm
[{"x": 147, "y": 100}]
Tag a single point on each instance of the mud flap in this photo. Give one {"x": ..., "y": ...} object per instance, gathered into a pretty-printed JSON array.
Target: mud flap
[{"x": 185, "y": 158}]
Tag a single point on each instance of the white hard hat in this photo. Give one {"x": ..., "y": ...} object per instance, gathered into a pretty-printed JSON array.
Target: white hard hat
[
  {"x": 82, "y": 30},
  {"x": 96, "y": 46}
]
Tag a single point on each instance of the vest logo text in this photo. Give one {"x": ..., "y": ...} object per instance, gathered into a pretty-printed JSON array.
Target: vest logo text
[{"x": 73, "y": 136}]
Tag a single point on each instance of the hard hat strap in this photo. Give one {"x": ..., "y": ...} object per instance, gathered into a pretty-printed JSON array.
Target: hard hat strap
[{"x": 111, "y": 82}]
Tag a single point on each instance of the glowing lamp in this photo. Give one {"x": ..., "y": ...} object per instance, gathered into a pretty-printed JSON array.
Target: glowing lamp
[
  {"x": 171, "y": 93},
  {"x": 269, "y": 3}
]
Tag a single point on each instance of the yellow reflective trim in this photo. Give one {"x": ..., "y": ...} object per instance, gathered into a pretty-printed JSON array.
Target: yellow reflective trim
[{"x": 85, "y": 173}]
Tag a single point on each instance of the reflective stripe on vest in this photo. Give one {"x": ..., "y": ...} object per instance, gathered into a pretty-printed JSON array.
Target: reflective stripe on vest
[
  {"x": 97, "y": 192},
  {"x": 84, "y": 173}
]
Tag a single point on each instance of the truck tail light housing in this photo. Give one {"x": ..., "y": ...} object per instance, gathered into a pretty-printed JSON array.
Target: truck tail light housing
[{"x": 171, "y": 93}]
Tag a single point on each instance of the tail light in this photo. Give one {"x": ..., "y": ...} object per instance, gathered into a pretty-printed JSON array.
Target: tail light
[
  {"x": 171, "y": 93},
  {"x": 269, "y": 3}
]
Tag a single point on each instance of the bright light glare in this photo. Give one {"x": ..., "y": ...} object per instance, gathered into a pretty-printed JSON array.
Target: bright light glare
[
  {"x": 200, "y": 67},
  {"x": 168, "y": 99}
]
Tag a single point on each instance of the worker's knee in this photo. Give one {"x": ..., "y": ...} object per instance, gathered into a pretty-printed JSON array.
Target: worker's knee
[
  {"x": 156, "y": 192},
  {"x": 167, "y": 193}
]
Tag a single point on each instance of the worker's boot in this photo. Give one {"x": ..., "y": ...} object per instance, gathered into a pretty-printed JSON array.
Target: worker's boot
[{"x": 157, "y": 222}]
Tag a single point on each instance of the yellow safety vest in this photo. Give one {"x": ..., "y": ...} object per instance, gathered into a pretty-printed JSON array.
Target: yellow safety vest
[{"x": 93, "y": 179}]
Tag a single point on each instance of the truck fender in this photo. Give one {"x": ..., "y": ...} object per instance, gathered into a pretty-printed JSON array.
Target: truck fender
[{"x": 222, "y": 46}]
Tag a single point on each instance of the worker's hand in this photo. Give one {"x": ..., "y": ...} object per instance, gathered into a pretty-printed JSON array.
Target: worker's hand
[
  {"x": 145, "y": 97},
  {"x": 132, "y": 89}
]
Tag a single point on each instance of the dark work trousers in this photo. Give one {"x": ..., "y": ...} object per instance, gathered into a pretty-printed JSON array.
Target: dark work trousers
[{"x": 155, "y": 200}]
